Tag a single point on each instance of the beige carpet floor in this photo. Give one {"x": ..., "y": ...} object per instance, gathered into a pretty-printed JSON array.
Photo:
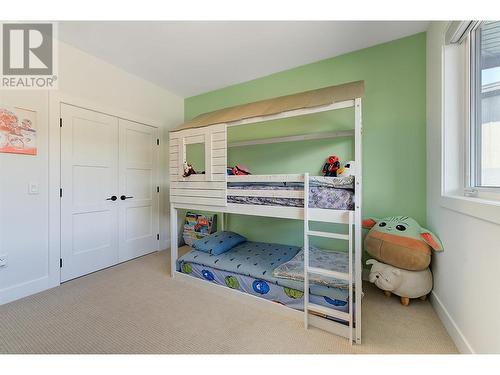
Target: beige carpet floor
[{"x": 136, "y": 308}]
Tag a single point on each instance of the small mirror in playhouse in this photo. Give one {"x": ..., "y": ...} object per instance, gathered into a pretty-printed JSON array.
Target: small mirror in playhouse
[{"x": 195, "y": 159}]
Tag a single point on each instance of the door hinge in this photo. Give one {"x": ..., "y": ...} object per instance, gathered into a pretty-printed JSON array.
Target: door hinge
[
  {"x": 158, "y": 141},
  {"x": 60, "y": 122},
  {"x": 60, "y": 193},
  {"x": 157, "y": 189},
  {"x": 60, "y": 262},
  {"x": 158, "y": 237}
]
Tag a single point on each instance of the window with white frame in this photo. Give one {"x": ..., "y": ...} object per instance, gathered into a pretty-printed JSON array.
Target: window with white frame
[{"x": 484, "y": 133}]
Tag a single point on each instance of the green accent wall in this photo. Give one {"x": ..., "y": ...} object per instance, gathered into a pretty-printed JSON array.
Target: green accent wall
[{"x": 394, "y": 119}]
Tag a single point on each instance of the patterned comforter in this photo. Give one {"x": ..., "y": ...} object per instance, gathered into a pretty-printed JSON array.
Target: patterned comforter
[
  {"x": 330, "y": 260},
  {"x": 324, "y": 192}
]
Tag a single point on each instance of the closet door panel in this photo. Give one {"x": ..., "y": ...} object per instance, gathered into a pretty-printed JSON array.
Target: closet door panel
[
  {"x": 89, "y": 177},
  {"x": 139, "y": 203}
]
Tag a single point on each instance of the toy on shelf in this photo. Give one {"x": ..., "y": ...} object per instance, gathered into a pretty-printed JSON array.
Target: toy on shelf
[
  {"x": 403, "y": 283},
  {"x": 331, "y": 166},
  {"x": 197, "y": 226},
  {"x": 401, "y": 242}
]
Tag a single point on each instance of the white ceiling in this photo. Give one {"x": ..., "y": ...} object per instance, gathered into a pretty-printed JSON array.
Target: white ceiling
[{"x": 193, "y": 57}]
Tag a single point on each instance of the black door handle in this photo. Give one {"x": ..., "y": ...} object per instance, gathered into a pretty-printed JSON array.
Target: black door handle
[
  {"x": 113, "y": 198},
  {"x": 123, "y": 197}
]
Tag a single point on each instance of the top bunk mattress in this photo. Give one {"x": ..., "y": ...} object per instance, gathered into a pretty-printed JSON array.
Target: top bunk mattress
[
  {"x": 258, "y": 260},
  {"x": 335, "y": 193}
]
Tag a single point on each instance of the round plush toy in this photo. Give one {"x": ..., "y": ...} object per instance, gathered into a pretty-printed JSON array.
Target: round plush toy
[
  {"x": 403, "y": 283},
  {"x": 401, "y": 242}
]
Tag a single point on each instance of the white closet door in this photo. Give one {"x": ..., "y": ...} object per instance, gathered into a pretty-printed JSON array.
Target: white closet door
[
  {"x": 89, "y": 179},
  {"x": 138, "y": 199}
]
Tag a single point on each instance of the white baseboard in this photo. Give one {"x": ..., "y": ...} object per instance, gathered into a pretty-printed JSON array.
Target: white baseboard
[
  {"x": 456, "y": 334},
  {"x": 25, "y": 289}
]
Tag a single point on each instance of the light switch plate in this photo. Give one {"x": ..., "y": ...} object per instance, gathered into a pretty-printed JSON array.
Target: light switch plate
[{"x": 33, "y": 188}]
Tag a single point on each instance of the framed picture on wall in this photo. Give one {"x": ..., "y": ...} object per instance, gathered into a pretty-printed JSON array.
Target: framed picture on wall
[{"x": 17, "y": 130}]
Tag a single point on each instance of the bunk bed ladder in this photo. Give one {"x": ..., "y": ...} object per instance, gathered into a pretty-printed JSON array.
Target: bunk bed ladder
[{"x": 349, "y": 277}]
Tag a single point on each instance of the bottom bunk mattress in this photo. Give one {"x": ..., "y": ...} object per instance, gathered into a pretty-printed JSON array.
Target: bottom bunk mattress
[{"x": 249, "y": 267}]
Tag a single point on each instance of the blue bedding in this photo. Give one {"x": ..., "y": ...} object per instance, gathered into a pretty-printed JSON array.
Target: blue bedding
[
  {"x": 289, "y": 297},
  {"x": 257, "y": 260}
]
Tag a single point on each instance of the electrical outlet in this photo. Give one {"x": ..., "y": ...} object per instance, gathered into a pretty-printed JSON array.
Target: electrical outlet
[{"x": 3, "y": 260}]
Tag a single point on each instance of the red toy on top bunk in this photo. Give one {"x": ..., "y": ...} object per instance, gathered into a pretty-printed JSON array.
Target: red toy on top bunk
[
  {"x": 238, "y": 170},
  {"x": 333, "y": 168}
]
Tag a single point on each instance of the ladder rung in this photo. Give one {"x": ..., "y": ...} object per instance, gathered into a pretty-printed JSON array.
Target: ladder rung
[
  {"x": 337, "y": 236},
  {"x": 329, "y": 273},
  {"x": 330, "y": 312}
]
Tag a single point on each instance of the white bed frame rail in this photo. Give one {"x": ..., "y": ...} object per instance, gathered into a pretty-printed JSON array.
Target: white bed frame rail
[{"x": 208, "y": 192}]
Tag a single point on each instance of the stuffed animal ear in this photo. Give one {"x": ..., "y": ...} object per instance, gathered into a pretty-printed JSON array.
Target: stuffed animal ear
[
  {"x": 371, "y": 261},
  {"x": 369, "y": 223},
  {"x": 431, "y": 239}
]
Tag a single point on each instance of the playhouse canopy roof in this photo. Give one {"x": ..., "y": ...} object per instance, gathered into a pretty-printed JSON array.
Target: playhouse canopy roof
[{"x": 302, "y": 100}]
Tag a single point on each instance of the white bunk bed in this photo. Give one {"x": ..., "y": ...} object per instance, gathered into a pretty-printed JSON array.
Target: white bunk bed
[{"x": 209, "y": 191}]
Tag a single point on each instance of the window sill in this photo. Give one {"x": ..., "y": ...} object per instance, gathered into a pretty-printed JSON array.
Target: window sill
[{"x": 483, "y": 209}]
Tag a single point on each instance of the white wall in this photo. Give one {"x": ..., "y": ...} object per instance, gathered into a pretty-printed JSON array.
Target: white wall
[
  {"x": 23, "y": 217},
  {"x": 24, "y": 229},
  {"x": 466, "y": 289}
]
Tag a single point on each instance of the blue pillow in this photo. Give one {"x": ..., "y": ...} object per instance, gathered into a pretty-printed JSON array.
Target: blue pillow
[{"x": 218, "y": 243}]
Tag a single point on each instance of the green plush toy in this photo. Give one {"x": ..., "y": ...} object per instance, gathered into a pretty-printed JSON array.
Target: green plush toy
[{"x": 401, "y": 242}]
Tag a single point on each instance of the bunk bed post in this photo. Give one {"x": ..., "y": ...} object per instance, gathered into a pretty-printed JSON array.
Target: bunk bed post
[
  {"x": 306, "y": 250},
  {"x": 358, "y": 192},
  {"x": 174, "y": 240},
  {"x": 351, "y": 281}
]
